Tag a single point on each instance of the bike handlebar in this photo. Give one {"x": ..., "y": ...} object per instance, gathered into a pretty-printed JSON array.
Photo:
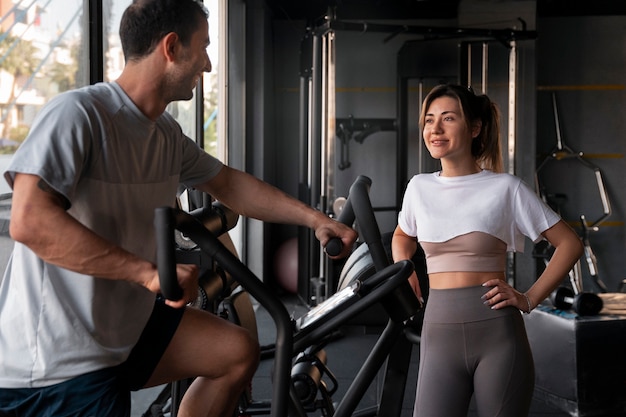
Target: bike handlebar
[
  {"x": 164, "y": 224},
  {"x": 346, "y": 216},
  {"x": 358, "y": 207},
  {"x": 217, "y": 218},
  {"x": 177, "y": 219}
]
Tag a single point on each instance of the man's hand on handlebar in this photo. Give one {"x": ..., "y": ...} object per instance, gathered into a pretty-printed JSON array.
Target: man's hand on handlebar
[
  {"x": 187, "y": 277},
  {"x": 333, "y": 229}
]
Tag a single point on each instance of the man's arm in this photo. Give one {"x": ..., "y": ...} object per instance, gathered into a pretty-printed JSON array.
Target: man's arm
[
  {"x": 39, "y": 220},
  {"x": 251, "y": 197}
]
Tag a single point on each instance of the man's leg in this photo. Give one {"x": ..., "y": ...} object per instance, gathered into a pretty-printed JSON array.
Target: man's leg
[{"x": 222, "y": 356}]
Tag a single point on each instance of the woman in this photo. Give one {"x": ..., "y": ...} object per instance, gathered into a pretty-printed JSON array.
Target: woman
[{"x": 466, "y": 218}]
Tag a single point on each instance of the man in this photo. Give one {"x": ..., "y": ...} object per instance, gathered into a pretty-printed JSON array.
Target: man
[{"x": 79, "y": 324}]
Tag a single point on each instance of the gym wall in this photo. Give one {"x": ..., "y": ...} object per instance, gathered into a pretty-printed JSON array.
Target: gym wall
[{"x": 581, "y": 58}]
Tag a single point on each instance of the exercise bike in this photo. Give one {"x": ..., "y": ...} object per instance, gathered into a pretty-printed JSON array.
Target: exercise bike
[{"x": 302, "y": 337}]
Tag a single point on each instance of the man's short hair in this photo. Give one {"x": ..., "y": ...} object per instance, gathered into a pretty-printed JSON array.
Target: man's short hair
[{"x": 145, "y": 22}]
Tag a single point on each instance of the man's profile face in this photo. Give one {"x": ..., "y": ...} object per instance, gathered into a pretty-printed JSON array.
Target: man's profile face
[{"x": 193, "y": 61}]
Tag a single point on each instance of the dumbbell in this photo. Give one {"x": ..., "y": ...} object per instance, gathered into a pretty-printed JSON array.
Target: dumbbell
[{"x": 584, "y": 303}]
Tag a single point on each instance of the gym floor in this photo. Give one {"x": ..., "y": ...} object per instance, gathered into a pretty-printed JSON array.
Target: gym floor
[{"x": 345, "y": 356}]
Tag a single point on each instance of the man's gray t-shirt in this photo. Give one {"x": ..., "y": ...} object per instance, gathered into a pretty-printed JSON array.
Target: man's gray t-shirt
[{"x": 114, "y": 166}]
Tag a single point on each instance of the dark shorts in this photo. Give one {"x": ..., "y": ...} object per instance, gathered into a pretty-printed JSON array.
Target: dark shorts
[
  {"x": 102, "y": 393},
  {"x": 155, "y": 338}
]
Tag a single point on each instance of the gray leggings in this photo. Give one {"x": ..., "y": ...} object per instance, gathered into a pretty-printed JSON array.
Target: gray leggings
[{"x": 466, "y": 349}]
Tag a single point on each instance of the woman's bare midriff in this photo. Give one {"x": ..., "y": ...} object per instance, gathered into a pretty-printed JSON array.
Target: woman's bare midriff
[{"x": 444, "y": 280}]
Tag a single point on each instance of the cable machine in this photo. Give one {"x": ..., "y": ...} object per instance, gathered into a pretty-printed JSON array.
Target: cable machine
[{"x": 320, "y": 128}]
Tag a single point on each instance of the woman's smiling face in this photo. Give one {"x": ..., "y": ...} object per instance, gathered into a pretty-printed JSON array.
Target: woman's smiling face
[{"x": 445, "y": 130}]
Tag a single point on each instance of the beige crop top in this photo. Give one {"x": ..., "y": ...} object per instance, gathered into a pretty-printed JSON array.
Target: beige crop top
[{"x": 471, "y": 252}]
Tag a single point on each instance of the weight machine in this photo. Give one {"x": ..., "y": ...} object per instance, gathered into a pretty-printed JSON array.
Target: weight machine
[
  {"x": 562, "y": 152},
  {"x": 320, "y": 129}
]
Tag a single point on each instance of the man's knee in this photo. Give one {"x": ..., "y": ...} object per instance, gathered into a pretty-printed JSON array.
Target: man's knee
[{"x": 247, "y": 354}]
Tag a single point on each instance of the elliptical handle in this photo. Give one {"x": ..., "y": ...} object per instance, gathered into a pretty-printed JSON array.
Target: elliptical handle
[
  {"x": 333, "y": 247},
  {"x": 346, "y": 216},
  {"x": 166, "y": 253}
]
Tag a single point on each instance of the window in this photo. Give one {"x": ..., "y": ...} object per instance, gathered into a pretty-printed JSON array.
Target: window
[
  {"x": 184, "y": 111},
  {"x": 44, "y": 50},
  {"x": 40, "y": 45}
]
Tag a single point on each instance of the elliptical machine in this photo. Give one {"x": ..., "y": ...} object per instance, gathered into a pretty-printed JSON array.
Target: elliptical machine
[{"x": 298, "y": 338}]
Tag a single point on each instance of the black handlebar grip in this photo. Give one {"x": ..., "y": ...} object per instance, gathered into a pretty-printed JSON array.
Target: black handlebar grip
[
  {"x": 346, "y": 216},
  {"x": 166, "y": 253},
  {"x": 333, "y": 247}
]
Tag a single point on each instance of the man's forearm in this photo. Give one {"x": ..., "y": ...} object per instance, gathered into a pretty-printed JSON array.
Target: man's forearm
[{"x": 39, "y": 221}]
